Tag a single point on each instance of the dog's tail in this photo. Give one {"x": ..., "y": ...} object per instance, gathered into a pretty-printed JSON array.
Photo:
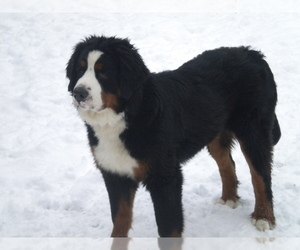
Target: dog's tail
[{"x": 276, "y": 132}]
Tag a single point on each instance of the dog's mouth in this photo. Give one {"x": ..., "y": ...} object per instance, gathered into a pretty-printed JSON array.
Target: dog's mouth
[{"x": 87, "y": 106}]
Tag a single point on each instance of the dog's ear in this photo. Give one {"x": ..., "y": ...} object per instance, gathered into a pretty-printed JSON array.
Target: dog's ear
[
  {"x": 71, "y": 66},
  {"x": 133, "y": 71}
]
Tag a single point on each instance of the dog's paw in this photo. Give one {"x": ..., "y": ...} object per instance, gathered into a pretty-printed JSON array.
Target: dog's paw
[
  {"x": 229, "y": 203},
  {"x": 262, "y": 224}
]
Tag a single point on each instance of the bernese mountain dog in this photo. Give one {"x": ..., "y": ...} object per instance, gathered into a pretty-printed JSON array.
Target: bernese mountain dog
[{"x": 142, "y": 126}]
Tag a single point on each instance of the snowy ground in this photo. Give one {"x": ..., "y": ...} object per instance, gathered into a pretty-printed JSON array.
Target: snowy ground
[{"x": 49, "y": 186}]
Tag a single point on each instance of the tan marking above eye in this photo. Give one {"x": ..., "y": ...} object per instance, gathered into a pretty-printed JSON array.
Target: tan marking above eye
[
  {"x": 99, "y": 66},
  {"x": 83, "y": 64}
]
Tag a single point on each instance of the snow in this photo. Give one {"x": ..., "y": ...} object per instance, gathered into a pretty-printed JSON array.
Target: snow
[{"x": 49, "y": 186}]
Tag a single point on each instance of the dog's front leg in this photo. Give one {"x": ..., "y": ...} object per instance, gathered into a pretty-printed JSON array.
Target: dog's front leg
[
  {"x": 121, "y": 192},
  {"x": 166, "y": 194}
]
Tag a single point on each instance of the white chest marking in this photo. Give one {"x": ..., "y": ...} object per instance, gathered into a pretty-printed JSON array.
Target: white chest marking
[{"x": 111, "y": 153}]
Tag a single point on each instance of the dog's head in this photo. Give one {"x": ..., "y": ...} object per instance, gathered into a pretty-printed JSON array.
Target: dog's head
[{"x": 104, "y": 73}]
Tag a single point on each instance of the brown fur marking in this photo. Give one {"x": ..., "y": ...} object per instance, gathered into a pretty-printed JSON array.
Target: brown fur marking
[
  {"x": 123, "y": 220},
  {"x": 263, "y": 208},
  {"x": 110, "y": 101},
  {"x": 141, "y": 172},
  {"x": 226, "y": 167},
  {"x": 176, "y": 235}
]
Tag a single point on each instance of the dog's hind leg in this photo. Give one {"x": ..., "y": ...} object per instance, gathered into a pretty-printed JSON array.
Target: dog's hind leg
[
  {"x": 220, "y": 150},
  {"x": 257, "y": 145}
]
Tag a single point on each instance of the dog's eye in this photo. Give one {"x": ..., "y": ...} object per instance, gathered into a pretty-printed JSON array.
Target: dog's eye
[{"x": 98, "y": 66}]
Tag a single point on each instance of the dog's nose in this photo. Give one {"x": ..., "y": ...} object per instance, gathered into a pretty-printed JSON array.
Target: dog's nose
[{"x": 80, "y": 94}]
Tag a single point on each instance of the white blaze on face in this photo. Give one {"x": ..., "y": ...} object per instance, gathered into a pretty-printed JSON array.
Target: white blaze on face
[
  {"x": 91, "y": 110},
  {"x": 91, "y": 84}
]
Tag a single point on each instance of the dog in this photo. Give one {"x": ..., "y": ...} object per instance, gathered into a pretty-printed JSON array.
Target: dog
[{"x": 142, "y": 126}]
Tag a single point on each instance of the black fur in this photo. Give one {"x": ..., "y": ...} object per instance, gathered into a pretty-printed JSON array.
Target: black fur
[{"x": 172, "y": 115}]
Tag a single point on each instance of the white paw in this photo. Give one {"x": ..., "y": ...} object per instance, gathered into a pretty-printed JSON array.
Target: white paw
[
  {"x": 262, "y": 225},
  {"x": 229, "y": 203}
]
